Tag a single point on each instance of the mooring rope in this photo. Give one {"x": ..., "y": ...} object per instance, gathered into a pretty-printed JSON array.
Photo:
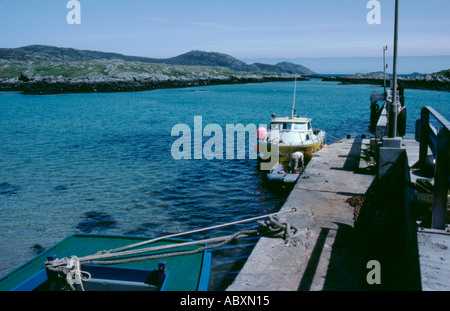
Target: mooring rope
[
  {"x": 121, "y": 252},
  {"x": 94, "y": 259},
  {"x": 194, "y": 231},
  {"x": 273, "y": 227},
  {"x": 336, "y": 139},
  {"x": 224, "y": 241}
]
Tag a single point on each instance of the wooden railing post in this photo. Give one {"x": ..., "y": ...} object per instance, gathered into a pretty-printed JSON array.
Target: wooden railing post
[
  {"x": 424, "y": 135},
  {"x": 438, "y": 140}
]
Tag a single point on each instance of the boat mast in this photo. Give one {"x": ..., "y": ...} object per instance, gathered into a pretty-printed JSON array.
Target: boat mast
[{"x": 295, "y": 92}]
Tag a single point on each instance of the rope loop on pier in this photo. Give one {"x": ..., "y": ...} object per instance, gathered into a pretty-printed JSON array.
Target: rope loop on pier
[{"x": 277, "y": 228}]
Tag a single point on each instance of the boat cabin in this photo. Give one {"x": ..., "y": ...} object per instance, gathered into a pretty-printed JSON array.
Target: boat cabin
[
  {"x": 291, "y": 131},
  {"x": 291, "y": 124}
]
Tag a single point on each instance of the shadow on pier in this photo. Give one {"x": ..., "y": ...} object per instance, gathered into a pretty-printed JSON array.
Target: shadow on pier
[
  {"x": 349, "y": 213},
  {"x": 383, "y": 231},
  {"x": 344, "y": 270}
]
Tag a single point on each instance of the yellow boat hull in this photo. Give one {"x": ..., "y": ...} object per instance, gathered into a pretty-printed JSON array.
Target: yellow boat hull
[
  {"x": 285, "y": 151},
  {"x": 308, "y": 151}
]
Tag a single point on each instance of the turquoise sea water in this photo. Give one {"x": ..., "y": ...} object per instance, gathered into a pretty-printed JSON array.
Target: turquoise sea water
[{"x": 102, "y": 163}]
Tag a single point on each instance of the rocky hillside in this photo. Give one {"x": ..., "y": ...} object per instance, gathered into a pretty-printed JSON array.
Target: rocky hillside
[
  {"x": 200, "y": 58},
  {"x": 43, "y": 53},
  {"x": 39, "y": 69},
  {"x": 285, "y": 67},
  {"x": 115, "y": 75}
]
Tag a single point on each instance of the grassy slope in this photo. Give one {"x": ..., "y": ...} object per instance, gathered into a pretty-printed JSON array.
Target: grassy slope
[
  {"x": 116, "y": 76},
  {"x": 112, "y": 69}
]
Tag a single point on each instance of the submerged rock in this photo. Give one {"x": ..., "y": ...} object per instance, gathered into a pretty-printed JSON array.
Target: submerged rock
[
  {"x": 96, "y": 221},
  {"x": 37, "y": 249},
  {"x": 8, "y": 189},
  {"x": 60, "y": 188}
]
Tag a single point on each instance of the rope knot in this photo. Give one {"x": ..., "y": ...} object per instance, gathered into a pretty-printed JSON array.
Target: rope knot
[
  {"x": 277, "y": 228},
  {"x": 70, "y": 270},
  {"x": 74, "y": 274}
]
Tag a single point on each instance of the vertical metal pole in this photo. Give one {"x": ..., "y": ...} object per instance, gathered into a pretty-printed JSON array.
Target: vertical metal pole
[
  {"x": 384, "y": 67},
  {"x": 392, "y": 130},
  {"x": 295, "y": 94}
]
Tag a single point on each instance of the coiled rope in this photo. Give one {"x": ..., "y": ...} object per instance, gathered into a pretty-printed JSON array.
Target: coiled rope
[{"x": 275, "y": 227}]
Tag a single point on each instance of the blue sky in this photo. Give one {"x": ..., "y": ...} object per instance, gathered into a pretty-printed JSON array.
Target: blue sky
[{"x": 243, "y": 29}]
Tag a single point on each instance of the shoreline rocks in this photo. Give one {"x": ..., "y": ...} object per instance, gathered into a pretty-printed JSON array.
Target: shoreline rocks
[
  {"x": 435, "y": 82},
  {"x": 35, "y": 77},
  {"x": 59, "y": 85}
]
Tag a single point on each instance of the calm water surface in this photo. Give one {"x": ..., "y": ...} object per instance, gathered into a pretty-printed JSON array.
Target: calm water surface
[{"x": 101, "y": 163}]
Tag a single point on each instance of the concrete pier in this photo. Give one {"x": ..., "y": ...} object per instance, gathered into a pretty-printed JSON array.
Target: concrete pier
[
  {"x": 326, "y": 258},
  {"x": 330, "y": 255}
]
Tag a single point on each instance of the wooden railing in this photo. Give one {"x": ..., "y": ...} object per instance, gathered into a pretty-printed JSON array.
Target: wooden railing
[{"x": 438, "y": 141}]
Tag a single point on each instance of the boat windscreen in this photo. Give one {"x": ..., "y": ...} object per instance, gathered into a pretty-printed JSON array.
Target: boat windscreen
[
  {"x": 280, "y": 126},
  {"x": 299, "y": 126}
]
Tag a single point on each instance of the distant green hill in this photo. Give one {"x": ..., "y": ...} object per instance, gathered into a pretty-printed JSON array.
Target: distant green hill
[
  {"x": 102, "y": 70},
  {"x": 43, "y": 53},
  {"x": 49, "y": 70}
]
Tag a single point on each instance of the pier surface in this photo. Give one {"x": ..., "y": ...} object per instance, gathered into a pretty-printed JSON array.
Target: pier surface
[
  {"x": 324, "y": 219},
  {"x": 329, "y": 256}
]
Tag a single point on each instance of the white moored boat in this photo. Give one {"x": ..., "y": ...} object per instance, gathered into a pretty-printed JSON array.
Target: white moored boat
[{"x": 289, "y": 135}]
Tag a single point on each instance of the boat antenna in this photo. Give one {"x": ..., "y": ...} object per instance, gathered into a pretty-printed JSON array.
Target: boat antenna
[{"x": 295, "y": 92}]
